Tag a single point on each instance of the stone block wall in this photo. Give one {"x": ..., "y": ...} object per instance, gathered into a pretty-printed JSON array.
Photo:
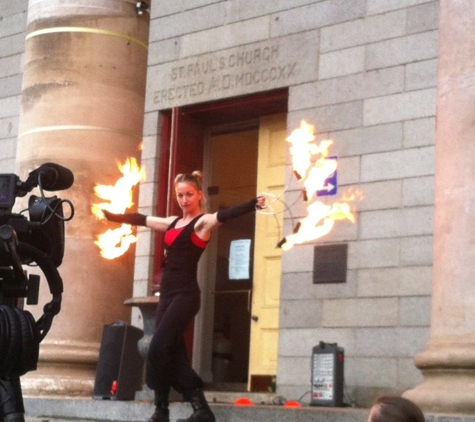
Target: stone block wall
[
  {"x": 364, "y": 73},
  {"x": 375, "y": 97},
  {"x": 12, "y": 47}
]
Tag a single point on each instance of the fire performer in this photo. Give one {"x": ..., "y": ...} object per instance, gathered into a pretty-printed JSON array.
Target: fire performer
[{"x": 186, "y": 238}]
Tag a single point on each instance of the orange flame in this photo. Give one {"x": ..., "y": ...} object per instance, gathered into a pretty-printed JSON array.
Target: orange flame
[
  {"x": 115, "y": 242},
  {"x": 319, "y": 222},
  {"x": 312, "y": 167}
]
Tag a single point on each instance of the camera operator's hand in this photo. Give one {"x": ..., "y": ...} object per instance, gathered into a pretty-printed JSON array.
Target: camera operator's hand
[
  {"x": 54, "y": 306},
  {"x": 51, "y": 309},
  {"x": 134, "y": 219}
]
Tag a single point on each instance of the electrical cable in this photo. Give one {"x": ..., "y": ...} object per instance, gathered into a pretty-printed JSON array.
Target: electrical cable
[
  {"x": 53, "y": 210},
  {"x": 287, "y": 208}
]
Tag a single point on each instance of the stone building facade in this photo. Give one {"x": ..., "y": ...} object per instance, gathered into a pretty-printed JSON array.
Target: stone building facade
[
  {"x": 364, "y": 72},
  {"x": 365, "y": 76},
  {"x": 13, "y": 45}
]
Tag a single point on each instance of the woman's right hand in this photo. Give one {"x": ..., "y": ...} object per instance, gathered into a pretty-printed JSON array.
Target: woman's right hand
[{"x": 112, "y": 217}]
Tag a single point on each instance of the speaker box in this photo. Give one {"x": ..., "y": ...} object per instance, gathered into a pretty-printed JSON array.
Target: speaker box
[{"x": 120, "y": 367}]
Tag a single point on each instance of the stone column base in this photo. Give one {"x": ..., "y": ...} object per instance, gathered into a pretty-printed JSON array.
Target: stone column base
[
  {"x": 448, "y": 366},
  {"x": 63, "y": 370}
]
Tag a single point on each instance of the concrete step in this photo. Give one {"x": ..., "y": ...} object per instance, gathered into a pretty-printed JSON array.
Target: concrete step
[
  {"x": 265, "y": 409},
  {"x": 84, "y": 409}
]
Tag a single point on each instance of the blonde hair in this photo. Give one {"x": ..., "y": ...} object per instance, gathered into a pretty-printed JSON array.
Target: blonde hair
[{"x": 196, "y": 178}]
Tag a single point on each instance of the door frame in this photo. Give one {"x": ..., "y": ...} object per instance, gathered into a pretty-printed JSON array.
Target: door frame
[{"x": 182, "y": 142}]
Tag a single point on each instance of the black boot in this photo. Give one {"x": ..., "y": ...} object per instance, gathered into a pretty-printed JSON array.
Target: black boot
[
  {"x": 161, "y": 414},
  {"x": 201, "y": 410}
]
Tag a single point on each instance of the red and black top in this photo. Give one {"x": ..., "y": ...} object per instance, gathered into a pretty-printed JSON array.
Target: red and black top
[{"x": 183, "y": 251}]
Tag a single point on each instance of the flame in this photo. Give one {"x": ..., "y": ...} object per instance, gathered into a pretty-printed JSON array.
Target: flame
[
  {"x": 115, "y": 242},
  {"x": 319, "y": 222},
  {"x": 301, "y": 149},
  {"x": 312, "y": 167},
  {"x": 119, "y": 197}
]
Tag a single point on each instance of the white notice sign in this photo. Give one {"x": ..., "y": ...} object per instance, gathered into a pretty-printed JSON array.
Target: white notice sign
[{"x": 239, "y": 259}]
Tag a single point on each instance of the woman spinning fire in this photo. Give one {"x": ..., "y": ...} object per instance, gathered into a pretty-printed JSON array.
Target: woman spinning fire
[{"x": 186, "y": 238}]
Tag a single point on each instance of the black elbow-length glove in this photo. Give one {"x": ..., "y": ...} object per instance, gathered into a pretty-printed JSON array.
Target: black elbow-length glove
[
  {"x": 134, "y": 219},
  {"x": 236, "y": 211}
]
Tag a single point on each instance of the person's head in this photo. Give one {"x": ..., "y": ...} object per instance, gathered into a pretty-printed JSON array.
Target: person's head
[
  {"x": 395, "y": 409},
  {"x": 189, "y": 190}
]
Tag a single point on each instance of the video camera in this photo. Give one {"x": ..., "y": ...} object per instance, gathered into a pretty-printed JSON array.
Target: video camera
[{"x": 37, "y": 241}]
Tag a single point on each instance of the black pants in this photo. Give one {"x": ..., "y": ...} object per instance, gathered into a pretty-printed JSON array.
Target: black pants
[{"x": 167, "y": 363}]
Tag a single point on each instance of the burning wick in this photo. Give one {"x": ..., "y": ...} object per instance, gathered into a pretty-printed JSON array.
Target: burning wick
[
  {"x": 302, "y": 148},
  {"x": 312, "y": 167},
  {"x": 115, "y": 242},
  {"x": 319, "y": 222}
]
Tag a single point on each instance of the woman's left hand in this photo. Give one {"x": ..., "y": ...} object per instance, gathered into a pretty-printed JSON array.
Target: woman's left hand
[{"x": 261, "y": 202}]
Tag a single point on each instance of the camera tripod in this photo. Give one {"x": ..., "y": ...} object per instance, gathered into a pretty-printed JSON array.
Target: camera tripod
[
  {"x": 20, "y": 334},
  {"x": 11, "y": 400}
]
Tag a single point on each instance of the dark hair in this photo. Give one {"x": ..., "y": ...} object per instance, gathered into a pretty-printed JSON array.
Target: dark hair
[
  {"x": 395, "y": 409},
  {"x": 196, "y": 178}
]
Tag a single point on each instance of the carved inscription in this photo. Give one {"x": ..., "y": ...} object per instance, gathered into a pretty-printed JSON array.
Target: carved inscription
[{"x": 217, "y": 74}]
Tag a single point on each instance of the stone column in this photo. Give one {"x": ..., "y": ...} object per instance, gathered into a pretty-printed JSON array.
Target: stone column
[
  {"x": 82, "y": 107},
  {"x": 448, "y": 361}
]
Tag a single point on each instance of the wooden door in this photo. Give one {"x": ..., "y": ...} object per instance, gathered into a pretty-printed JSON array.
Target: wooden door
[{"x": 267, "y": 257}]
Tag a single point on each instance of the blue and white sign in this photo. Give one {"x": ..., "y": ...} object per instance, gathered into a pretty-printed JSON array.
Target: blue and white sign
[{"x": 331, "y": 186}]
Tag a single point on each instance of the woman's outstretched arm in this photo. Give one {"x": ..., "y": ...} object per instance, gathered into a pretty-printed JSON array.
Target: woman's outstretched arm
[
  {"x": 206, "y": 224},
  {"x": 136, "y": 219}
]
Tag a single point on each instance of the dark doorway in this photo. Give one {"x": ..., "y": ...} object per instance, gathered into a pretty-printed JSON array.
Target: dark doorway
[{"x": 232, "y": 175}]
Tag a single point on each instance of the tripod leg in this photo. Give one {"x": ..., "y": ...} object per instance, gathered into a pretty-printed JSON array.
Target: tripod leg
[{"x": 11, "y": 400}]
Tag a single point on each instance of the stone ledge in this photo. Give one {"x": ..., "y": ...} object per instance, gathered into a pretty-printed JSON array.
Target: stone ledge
[{"x": 85, "y": 409}]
